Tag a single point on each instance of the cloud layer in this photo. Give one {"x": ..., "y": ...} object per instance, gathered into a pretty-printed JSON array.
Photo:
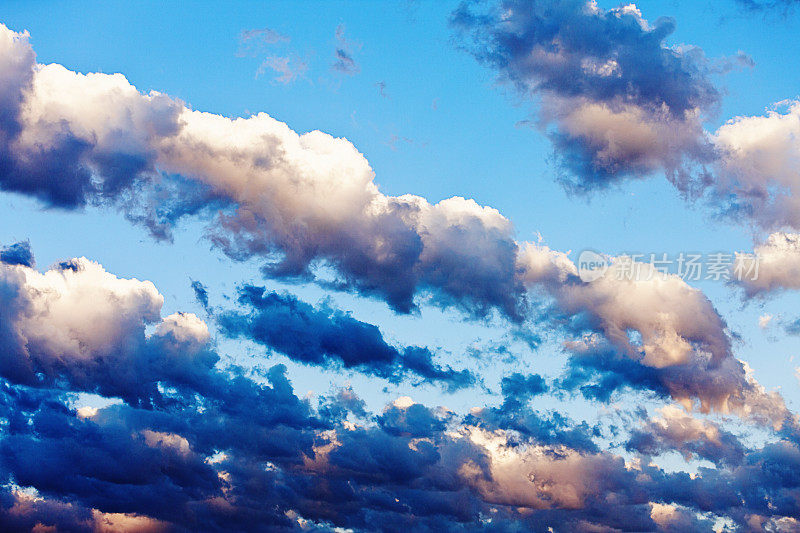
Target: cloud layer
[
  {"x": 221, "y": 451},
  {"x": 308, "y": 205},
  {"x": 215, "y": 450},
  {"x": 191, "y": 444}
]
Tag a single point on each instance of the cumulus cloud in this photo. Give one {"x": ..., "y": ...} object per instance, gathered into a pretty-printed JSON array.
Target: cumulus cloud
[
  {"x": 641, "y": 328},
  {"x": 308, "y": 199},
  {"x": 756, "y": 175},
  {"x": 256, "y": 459},
  {"x": 616, "y": 100},
  {"x": 778, "y": 263},
  {"x": 194, "y": 446},
  {"x": 83, "y": 327},
  {"x": 675, "y": 430}
]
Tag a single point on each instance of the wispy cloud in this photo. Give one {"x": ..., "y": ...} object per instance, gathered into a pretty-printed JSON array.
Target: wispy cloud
[
  {"x": 345, "y": 63},
  {"x": 257, "y": 41},
  {"x": 288, "y": 68},
  {"x": 271, "y": 47}
]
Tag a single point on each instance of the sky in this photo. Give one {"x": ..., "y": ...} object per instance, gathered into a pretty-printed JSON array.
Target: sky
[{"x": 318, "y": 266}]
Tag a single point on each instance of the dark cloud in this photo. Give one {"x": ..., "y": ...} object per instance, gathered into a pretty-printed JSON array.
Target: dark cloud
[
  {"x": 554, "y": 46},
  {"x": 330, "y": 338},
  {"x": 414, "y": 420},
  {"x": 344, "y": 401},
  {"x": 345, "y": 63},
  {"x": 220, "y": 451},
  {"x": 123, "y": 459},
  {"x": 202, "y": 447},
  {"x": 518, "y": 388},
  {"x": 200, "y": 293},
  {"x": 18, "y": 254},
  {"x": 237, "y": 465},
  {"x": 793, "y": 327},
  {"x": 601, "y": 371},
  {"x": 514, "y": 414}
]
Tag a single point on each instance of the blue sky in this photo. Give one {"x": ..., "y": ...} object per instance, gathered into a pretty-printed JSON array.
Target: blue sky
[{"x": 433, "y": 121}]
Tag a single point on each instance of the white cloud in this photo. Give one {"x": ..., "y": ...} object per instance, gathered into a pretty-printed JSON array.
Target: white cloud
[
  {"x": 759, "y": 161},
  {"x": 83, "y": 326},
  {"x": 778, "y": 262},
  {"x": 310, "y": 197},
  {"x": 656, "y": 320}
]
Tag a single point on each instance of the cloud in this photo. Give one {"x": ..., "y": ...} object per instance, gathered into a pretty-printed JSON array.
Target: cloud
[
  {"x": 412, "y": 420},
  {"x": 762, "y": 5},
  {"x": 345, "y": 63},
  {"x": 221, "y": 451},
  {"x": 262, "y": 43},
  {"x": 616, "y": 100},
  {"x": 17, "y": 254},
  {"x": 195, "y": 446},
  {"x": 307, "y": 199},
  {"x": 755, "y": 176},
  {"x": 775, "y": 264},
  {"x": 174, "y": 468},
  {"x": 154, "y": 465},
  {"x": 80, "y": 326},
  {"x": 618, "y": 103},
  {"x": 675, "y": 430},
  {"x": 308, "y": 206},
  {"x": 200, "y": 293},
  {"x": 518, "y": 388},
  {"x": 256, "y": 41},
  {"x": 641, "y": 328},
  {"x": 288, "y": 68},
  {"x": 330, "y": 338}
]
